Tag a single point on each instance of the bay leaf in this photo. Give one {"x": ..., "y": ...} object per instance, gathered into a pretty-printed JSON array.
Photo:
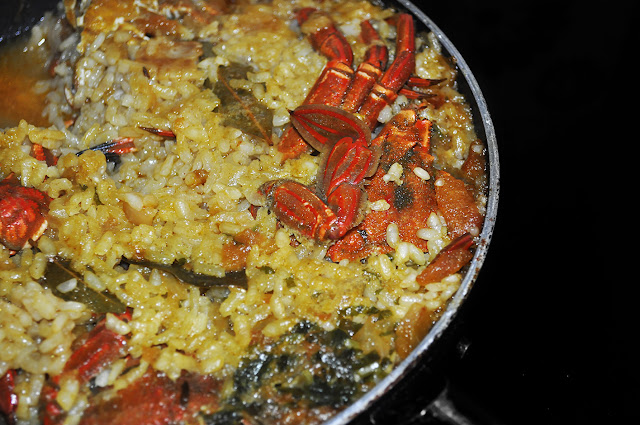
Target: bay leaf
[
  {"x": 240, "y": 107},
  {"x": 178, "y": 270},
  {"x": 59, "y": 271}
]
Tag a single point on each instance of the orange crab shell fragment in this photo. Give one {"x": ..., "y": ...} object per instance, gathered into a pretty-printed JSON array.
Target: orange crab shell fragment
[
  {"x": 457, "y": 206},
  {"x": 405, "y": 140}
]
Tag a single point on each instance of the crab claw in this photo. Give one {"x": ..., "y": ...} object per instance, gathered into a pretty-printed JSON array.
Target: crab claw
[
  {"x": 23, "y": 214},
  {"x": 343, "y": 140},
  {"x": 298, "y": 207}
]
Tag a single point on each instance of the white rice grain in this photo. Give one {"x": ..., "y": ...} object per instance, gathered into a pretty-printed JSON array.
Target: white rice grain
[
  {"x": 67, "y": 285},
  {"x": 380, "y": 205},
  {"x": 69, "y": 388},
  {"x": 393, "y": 235},
  {"x": 386, "y": 114},
  {"x": 394, "y": 174},
  {"x": 117, "y": 325},
  {"x": 422, "y": 173}
]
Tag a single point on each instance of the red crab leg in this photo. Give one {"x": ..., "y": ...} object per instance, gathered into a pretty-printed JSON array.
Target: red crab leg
[
  {"x": 369, "y": 71},
  {"x": 346, "y": 200},
  {"x": 324, "y": 36},
  {"x": 101, "y": 348},
  {"x": 423, "y": 82},
  {"x": 159, "y": 132},
  {"x": 418, "y": 83},
  {"x": 8, "y": 398},
  {"x": 113, "y": 148},
  {"x": 385, "y": 92},
  {"x": 335, "y": 79}
]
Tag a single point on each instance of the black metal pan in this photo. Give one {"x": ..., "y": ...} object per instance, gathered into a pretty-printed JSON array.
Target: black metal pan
[{"x": 380, "y": 405}]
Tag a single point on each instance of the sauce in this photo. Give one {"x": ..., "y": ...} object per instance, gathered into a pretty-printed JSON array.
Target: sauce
[{"x": 21, "y": 68}]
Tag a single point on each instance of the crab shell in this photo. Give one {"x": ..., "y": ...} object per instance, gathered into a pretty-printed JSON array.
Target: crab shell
[{"x": 23, "y": 214}]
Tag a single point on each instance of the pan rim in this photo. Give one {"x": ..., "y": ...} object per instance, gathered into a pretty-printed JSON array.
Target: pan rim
[{"x": 454, "y": 305}]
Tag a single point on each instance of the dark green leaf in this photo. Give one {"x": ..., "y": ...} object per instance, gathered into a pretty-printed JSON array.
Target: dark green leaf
[
  {"x": 238, "y": 278},
  {"x": 59, "y": 271},
  {"x": 239, "y": 106}
]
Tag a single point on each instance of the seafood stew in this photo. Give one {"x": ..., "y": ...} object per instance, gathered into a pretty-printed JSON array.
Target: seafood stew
[{"x": 238, "y": 213}]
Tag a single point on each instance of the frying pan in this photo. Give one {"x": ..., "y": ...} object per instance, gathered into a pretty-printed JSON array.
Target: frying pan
[
  {"x": 18, "y": 16},
  {"x": 377, "y": 405},
  {"x": 432, "y": 405}
]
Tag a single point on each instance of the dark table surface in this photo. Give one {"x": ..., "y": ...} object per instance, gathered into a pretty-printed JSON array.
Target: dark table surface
[{"x": 545, "y": 326}]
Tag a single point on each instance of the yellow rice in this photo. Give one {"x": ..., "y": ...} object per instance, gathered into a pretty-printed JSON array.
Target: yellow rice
[{"x": 91, "y": 221}]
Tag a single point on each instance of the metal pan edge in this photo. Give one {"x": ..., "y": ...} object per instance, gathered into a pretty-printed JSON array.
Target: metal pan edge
[{"x": 484, "y": 127}]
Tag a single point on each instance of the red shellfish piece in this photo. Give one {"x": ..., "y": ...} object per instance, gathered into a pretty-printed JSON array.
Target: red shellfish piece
[
  {"x": 404, "y": 140},
  {"x": 329, "y": 89},
  {"x": 448, "y": 261},
  {"x": 369, "y": 71},
  {"x": 298, "y": 207},
  {"x": 457, "y": 205},
  {"x": 394, "y": 78},
  {"x": 348, "y": 162},
  {"x": 159, "y": 132},
  {"x": 23, "y": 212},
  {"x": 322, "y": 126},
  {"x": 156, "y": 399},
  {"x": 43, "y": 154},
  {"x": 346, "y": 200},
  {"x": 324, "y": 35},
  {"x": 335, "y": 79},
  {"x": 8, "y": 398},
  {"x": 113, "y": 149},
  {"x": 102, "y": 347}
]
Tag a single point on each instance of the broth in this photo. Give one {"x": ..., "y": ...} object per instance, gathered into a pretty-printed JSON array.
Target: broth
[{"x": 20, "y": 69}]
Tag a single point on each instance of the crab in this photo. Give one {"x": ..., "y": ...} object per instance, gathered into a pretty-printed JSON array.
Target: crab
[
  {"x": 369, "y": 88},
  {"x": 395, "y": 170}
]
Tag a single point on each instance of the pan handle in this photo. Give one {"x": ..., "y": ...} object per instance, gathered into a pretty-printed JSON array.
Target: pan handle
[
  {"x": 422, "y": 408},
  {"x": 427, "y": 396},
  {"x": 443, "y": 410}
]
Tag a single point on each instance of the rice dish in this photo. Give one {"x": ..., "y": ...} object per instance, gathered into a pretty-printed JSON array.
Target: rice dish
[{"x": 296, "y": 337}]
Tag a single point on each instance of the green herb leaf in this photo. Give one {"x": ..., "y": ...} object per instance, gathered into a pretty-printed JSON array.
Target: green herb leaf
[
  {"x": 59, "y": 271},
  {"x": 240, "y": 107},
  {"x": 177, "y": 269}
]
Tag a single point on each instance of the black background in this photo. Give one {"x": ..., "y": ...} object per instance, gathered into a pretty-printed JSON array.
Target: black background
[
  {"x": 544, "y": 336},
  {"x": 547, "y": 336}
]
